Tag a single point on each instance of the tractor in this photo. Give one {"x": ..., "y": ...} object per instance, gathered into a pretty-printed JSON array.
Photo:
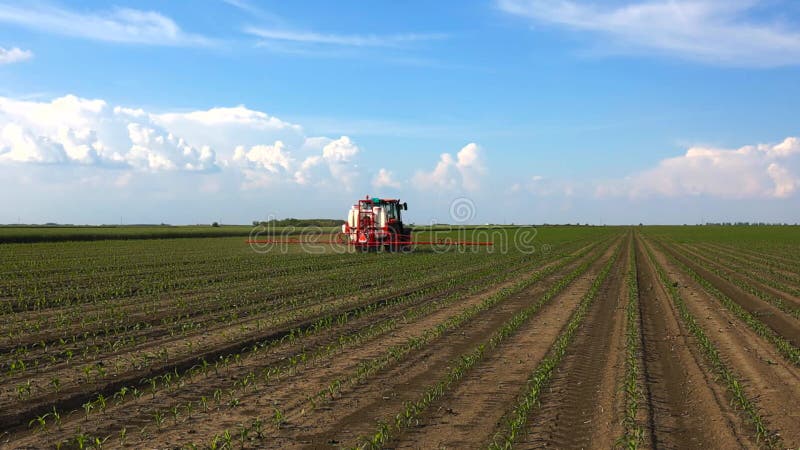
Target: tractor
[{"x": 374, "y": 223}]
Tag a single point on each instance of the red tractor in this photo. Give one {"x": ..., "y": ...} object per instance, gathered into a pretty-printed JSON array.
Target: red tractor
[{"x": 375, "y": 223}]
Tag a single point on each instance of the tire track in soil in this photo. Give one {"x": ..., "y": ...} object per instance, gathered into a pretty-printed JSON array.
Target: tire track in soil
[
  {"x": 780, "y": 322},
  {"x": 355, "y": 413},
  {"x": 770, "y": 379},
  {"x": 226, "y": 376},
  {"x": 583, "y": 406},
  {"x": 686, "y": 408}
]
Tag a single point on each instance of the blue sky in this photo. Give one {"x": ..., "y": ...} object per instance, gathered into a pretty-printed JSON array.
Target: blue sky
[{"x": 534, "y": 110}]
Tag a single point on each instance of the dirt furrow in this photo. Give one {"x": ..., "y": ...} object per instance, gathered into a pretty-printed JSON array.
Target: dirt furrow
[
  {"x": 731, "y": 271},
  {"x": 687, "y": 409},
  {"x": 780, "y": 322},
  {"x": 145, "y": 405},
  {"x": 766, "y": 375},
  {"x": 766, "y": 268},
  {"x": 385, "y": 394},
  {"x": 583, "y": 406}
]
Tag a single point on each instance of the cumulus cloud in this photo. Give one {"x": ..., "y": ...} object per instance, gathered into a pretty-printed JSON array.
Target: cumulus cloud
[
  {"x": 158, "y": 150},
  {"x": 753, "y": 171},
  {"x": 8, "y": 56},
  {"x": 462, "y": 172},
  {"x": 72, "y": 130},
  {"x": 273, "y": 158},
  {"x": 262, "y": 149},
  {"x": 226, "y": 128},
  {"x": 714, "y": 31},
  {"x": 124, "y": 25},
  {"x": 385, "y": 178},
  {"x": 338, "y": 161}
]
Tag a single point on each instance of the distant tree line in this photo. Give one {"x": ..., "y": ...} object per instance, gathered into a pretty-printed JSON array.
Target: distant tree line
[
  {"x": 292, "y": 222},
  {"x": 749, "y": 224}
]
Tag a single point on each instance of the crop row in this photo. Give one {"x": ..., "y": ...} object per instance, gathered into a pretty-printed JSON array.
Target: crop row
[
  {"x": 411, "y": 412},
  {"x": 634, "y": 431},
  {"x": 712, "y": 355},
  {"x": 765, "y": 270},
  {"x": 785, "y": 348},
  {"x": 784, "y": 306},
  {"x": 398, "y": 353},
  {"x": 335, "y": 317},
  {"x": 243, "y": 309},
  {"x": 518, "y": 416},
  {"x": 170, "y": 380}
]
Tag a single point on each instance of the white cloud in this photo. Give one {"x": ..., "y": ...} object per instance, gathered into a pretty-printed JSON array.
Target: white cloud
[
  {"x": 754, "y": 171},
  {"x": 238, "y": 115},
  {"x": 385, "y": 178},
  {"x": 263, "y": 150},
  {"x": 73, "y": 130},
  {"x": 464, "y": 171},
  {"x": 713, "y": 31},
  {"x": 122, "y": 25},
  {"x": 155, "y": 150},
  {"x": 14, "y": 55},
  {"x": 346, "y": 40},
  {"x": 224, "y": 129},
  {"x": 274, "y": 158},
  {"x": 338, "y": 158},
  {"x": 17, "y": 144},
  {"x": 222, "y": 148}
]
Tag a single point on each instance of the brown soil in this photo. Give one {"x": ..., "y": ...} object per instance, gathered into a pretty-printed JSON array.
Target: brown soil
[
  {"x": 687, "y": 409},
  {"x": 684, "y": 404},
  {"x": 144, "y": 407},
  {"x": 472, "y": 411},
  {"x": 785, "y": 296},
  {"x": 772, "y": 381},
  {"x": 386, "y": 393},
  {"x": 582, "y": 407},
  {"x": 779, "y": 321},
  {"x": 218, "y": 341}
]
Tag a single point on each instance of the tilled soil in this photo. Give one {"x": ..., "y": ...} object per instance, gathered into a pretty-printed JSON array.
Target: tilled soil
[
  {"x": 687, "y": 409},
  {"x": 779, "y": 321},
  {"x": 285, "y": 394},
  {"x": 322, "y": 403},
  {"x": 582, "y": 407},
  {"x": 757, "y": 363},
  {"x": 472, "y": 412},
  {"x": 384, "y": 395}
]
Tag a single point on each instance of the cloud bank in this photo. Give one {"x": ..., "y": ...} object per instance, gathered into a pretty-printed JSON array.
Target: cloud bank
[
  {"x": 259, "y": 150},
  {"x": 753, "y": 171}
]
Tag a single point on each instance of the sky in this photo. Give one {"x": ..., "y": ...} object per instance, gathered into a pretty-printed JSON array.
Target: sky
[{"x": 486, "y": 111}]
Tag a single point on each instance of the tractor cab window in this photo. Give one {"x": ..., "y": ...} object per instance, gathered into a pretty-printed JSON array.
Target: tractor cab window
[{"x": 392, "y": 212}]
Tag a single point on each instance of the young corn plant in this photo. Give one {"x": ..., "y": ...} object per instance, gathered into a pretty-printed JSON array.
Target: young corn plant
[
  {"x": 784, "y": 347},
  {"x": 712, "y": 355},
  {"x": 544, "y": 371},
  {"x": 633, "y": 435},
  {"x": 412, "y": 410}
]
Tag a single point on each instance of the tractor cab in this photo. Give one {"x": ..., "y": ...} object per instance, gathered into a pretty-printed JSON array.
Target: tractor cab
[{"x": 377, "y": 222}]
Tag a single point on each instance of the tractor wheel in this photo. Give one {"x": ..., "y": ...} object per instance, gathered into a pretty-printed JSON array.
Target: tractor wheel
[{"x": 405, "y": 248}]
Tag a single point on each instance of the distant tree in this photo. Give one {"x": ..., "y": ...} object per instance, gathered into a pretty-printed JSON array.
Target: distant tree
[{"x": 215, "y": 224}]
